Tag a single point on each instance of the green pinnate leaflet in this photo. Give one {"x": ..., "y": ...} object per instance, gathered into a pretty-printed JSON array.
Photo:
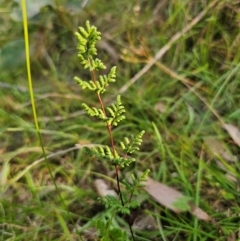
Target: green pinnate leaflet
[
  {"x": 105, "y": 152},
  {"x": 87, "y": 39},
  {"x": 99, "y": 85},
  {"x": 116, "y": 111},
  {"x": 93, "y": 111},
  {"x": 132, "y": 145}
]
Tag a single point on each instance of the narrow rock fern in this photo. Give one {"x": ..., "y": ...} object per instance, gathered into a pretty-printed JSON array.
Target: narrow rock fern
[{"x": 112, "y": 116}]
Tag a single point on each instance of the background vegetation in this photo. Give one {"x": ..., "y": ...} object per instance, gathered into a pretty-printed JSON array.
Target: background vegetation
[{"x": 181, "y": 99}]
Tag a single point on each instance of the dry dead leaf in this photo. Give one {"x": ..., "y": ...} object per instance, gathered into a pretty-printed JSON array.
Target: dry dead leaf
[
  {"x": 218, "y": 148},
  {"x": 161, "y": 107},
  {"x": 145, "y": 222},
  {"x": 165, "y": 195},
  {"x": 199, "y": 213},
  {"x": 234, "y": 132},
  {"x": 231, "y": 177},
  {"x": 103, "y": 188},
  {"x": 169, "y": 197}
]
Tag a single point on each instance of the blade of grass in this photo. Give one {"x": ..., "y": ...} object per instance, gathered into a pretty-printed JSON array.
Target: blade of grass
[
  {"x": 28, "y": 66},
  {"x": 63, "y": 225},
  {"x": 197, "y": 196}
]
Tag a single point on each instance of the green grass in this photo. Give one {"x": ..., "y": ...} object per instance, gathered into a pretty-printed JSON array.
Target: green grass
[{"x": 207, "y": 56}]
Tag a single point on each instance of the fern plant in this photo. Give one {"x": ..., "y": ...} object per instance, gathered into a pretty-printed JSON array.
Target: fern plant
[{"x": 112, "y": 116}]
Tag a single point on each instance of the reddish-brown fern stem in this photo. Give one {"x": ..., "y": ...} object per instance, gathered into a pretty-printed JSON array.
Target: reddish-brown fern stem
[
  {"x": 109, "y": 127},
  {"x": 131, "y": 195}
]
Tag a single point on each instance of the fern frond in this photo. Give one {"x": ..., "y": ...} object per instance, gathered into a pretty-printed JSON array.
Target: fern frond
[
  {"x": 135, "y": 182},
  {"x": 96, "y": 64},
  {"x": 93, "y": 111},
  {"x": 85, "y": 84},
  {"x": 106, "y": 153},
  {"x": 87, "y": 40},
  {"x": 104, "y": 80},
  {"x": 143, "y": 177},
  {"x": 110, "y": 201},
  {"x": 131, "y": 146},
  {"x": 101, "y": 152},
  {"x": 90, "y": 63},
  {"x": 123, "y": 161},
  {"x": 116, "y": 111},
  {"x": 99, "y": 86},
  {"x": 87, "y": 47},
  {"x": 109, "y": 231}
]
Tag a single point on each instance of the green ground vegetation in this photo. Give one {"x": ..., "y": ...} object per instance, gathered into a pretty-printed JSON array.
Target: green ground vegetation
[{"x": 181, "y": 99}]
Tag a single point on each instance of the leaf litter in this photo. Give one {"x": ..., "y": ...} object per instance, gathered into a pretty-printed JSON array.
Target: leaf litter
[
  {"x": 172, "y": 199},
  {"x": 166, "y": 196},
  {"x": 233, "y": 131},
  {"x": 103, "y": 189},
  {"x": 218, "y": 149}
]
